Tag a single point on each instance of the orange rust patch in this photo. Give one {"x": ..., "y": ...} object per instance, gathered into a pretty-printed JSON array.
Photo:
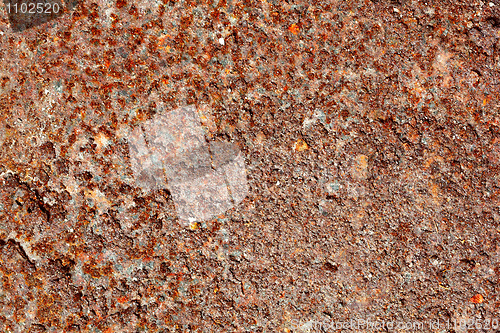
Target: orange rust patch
[
  {"x": 294, "y": 29},
  {"x": 122, "y": 299},
  {"x": 477, "y": 299},
  {"x": 300, "y": 145}
]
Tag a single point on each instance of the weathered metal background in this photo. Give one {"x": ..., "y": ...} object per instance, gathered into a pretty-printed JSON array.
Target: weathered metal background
[{"x": 370, "y": 131}]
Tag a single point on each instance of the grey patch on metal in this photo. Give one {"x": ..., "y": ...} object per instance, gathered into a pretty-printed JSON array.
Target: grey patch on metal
[
  {"x": 171, "y": 151},
  {"x": 236, "y": 179}
]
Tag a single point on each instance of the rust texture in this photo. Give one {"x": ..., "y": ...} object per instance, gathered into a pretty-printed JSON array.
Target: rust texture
[{"x": 371, "y": 134}]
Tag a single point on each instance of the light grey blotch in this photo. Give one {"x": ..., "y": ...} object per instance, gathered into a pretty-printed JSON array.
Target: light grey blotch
[{"x": 205, "y": 179}]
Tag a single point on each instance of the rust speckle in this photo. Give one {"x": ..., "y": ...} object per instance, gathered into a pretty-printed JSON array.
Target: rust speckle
[{"x": 294, "y": 29}]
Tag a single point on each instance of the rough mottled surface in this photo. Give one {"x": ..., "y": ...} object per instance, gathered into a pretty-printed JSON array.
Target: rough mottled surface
[{"x": 371, "y": 131}]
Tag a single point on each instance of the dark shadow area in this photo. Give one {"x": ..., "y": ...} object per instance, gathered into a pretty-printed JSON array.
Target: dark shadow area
[{"x": 26, "y": 14}]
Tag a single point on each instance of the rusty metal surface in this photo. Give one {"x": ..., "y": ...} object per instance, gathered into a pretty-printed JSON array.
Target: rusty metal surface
[{"x": 370, "y": 131}]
